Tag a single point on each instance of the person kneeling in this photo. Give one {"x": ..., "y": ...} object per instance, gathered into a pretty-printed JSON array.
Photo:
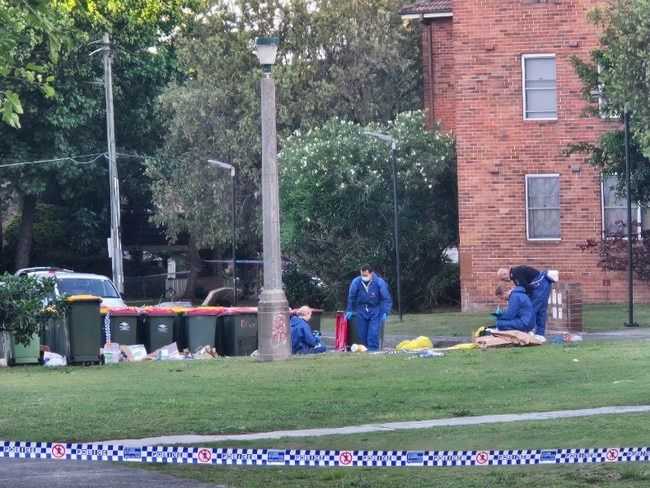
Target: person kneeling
[
  {"x": 303, "y": 340},
  {"x": 520, "y": 314}
]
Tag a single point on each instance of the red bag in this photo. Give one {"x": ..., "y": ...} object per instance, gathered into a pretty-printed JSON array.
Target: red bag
[{"x": 341, "y": 337}]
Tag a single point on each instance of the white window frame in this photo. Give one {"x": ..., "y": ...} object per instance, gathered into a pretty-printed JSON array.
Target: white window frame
[
  {"x": 639, "y": 214},
  {"x": 530, "y": 210},
  {"x": 527, "y": 89},
  {"x": 601, "y": 101}
]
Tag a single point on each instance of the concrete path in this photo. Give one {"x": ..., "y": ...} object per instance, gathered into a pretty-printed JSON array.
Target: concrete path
[{"x": 359, "y": 429}]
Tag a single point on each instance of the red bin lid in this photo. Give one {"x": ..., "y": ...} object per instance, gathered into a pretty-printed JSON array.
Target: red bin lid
[{"x": 124, "y": 311}]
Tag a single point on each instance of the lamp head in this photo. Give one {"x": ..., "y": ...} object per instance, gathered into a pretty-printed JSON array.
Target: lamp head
[{"x": 267, "y": 49}]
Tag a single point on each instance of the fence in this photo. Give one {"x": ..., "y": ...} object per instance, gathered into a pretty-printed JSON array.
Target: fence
[{"x": 156, "y": 287}]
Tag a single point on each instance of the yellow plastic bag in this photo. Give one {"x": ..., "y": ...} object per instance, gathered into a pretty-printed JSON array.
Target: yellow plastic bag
[{"x": 421, "y": 342}]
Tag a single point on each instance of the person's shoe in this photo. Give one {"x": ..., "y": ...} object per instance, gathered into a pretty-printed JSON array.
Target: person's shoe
[{"x": 540, "y": 338}]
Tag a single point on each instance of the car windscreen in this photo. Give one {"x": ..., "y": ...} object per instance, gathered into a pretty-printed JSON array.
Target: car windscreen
[{"x": 86, "y": 286}]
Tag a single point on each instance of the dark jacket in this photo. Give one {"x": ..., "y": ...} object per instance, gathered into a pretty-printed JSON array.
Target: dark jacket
[{"x": 523, "y": 276}]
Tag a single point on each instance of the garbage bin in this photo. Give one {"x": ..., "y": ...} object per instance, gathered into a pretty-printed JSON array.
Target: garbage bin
[
  {"x": 353, "y": 333},
  {"x": 316, "y": 314},
  {"x": 122, "y": 327},
  {"x": 200, "y": 327},
  {"x": 157, "y": 327},
  {"x": 81, "y": 336},
  {"x": 179, "y": 326},
  {"x": 237, "y": 332},
  {"x": 17, "y": 353}
]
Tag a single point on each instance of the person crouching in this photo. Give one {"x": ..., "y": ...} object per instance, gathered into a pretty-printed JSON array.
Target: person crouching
[{"x": 303, "y": 340}]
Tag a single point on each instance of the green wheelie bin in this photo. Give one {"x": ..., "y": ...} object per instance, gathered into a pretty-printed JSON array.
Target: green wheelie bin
[
  {"x": 200, "y": 327},
  {"x": 82, "y": 334},
  {"x": 122, "y": 327},
  {"x": 353, "y": 333},
  {"x": 237, "y": 330},
  {"x": 157, "y": 327},
  {"x": 17, "y": 353}
]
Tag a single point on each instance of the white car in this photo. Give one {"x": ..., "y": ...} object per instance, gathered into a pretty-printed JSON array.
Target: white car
[{"x": 70, "y": 283}]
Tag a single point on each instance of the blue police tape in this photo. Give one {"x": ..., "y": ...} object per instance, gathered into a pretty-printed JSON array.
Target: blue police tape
[{"x": 292, "y": 457}]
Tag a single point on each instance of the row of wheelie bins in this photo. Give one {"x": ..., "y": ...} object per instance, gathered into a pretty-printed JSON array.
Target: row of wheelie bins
[
  {"x": 230, "y": 331},
  {"x": 87, "y": 327}
]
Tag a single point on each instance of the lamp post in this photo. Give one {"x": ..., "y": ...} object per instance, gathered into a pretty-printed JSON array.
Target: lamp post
[
  {"x": 274, "y": 335},
  {"x": 234, "y": 234},
  {"x": 393, "y": 151},
  {"x": 628, "y": 190}
]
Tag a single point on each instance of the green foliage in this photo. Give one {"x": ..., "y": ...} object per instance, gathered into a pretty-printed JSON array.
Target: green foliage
[
  {"x": 304, "y": 289},
  {"x": 351, "y": 59},
  {"x": 73, "y": 121},
  {"x": 624, "y": 78},
  {"x": 29, "y": 40},
  {"x": 23, "y": 307},
  {"x": 616, "y": 78},
  {"x": 337, "y": 204},
  {"x": 444, "y": 287},
  {"x": 62, "y": 237}
]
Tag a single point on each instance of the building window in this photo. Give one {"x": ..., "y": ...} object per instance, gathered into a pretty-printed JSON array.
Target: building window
[
  {"x": 615, "y": 212},
  {"x": 543, "y": 207},
  {"x": 540, "y": 87}
]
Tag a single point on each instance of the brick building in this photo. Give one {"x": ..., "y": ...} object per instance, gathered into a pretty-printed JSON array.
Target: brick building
[{"x": 498, "y": 75}]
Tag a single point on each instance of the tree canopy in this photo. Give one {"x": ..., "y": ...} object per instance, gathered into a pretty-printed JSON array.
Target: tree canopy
[
  {"x": 337, "y": 203},
  {"x": 616, "y": 78},
  {"x": 69, "y": 127},
  {"x": 29, "y": 40},
  {"x": 352, "y": 59}
]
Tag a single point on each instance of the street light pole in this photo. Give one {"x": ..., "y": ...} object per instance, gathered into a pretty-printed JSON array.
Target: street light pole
[
  {"x": 274, "y": 335},
  {"x": 234, "y": 232},
  {"x": 393, "y": 151},
  {"x": 628, "y": 189}
]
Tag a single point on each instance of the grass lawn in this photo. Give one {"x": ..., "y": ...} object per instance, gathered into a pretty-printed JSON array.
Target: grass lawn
[{"x": 233, "y": 395}]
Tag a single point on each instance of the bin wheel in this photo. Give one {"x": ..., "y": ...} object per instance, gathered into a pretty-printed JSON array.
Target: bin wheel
[{"x": 11, "y": 362}]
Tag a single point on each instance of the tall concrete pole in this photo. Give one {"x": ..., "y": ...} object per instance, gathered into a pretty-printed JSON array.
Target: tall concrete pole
[
  {"x": 115, "y": 244},
  {"x": 274, "y": 334}
]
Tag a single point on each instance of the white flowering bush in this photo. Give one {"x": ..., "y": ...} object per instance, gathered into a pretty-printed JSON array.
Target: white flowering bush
[{"x": 336, "y": 197}]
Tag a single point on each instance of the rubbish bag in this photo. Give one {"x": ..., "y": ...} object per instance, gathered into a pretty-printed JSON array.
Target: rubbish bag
[{"x": 421, "y": 342}]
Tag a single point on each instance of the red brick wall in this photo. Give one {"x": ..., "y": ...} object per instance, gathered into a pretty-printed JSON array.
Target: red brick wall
[
  {"x": 438, "y": 37},
  {"x": 497, "y": 148}
]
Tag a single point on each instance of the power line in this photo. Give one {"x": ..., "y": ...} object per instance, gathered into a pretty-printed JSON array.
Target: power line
[{"x": 73, "y": 159}]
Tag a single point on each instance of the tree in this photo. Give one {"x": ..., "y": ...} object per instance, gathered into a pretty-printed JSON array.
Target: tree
[
  {"x": 337, "y": 205},
  {"x": 73, "y": 121},
  {"x": 616, "y": 80},
  {"x": 351, "y": 59},
  {"x": 27, "y": 305},
  {"x": 25, "y": 25}
]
